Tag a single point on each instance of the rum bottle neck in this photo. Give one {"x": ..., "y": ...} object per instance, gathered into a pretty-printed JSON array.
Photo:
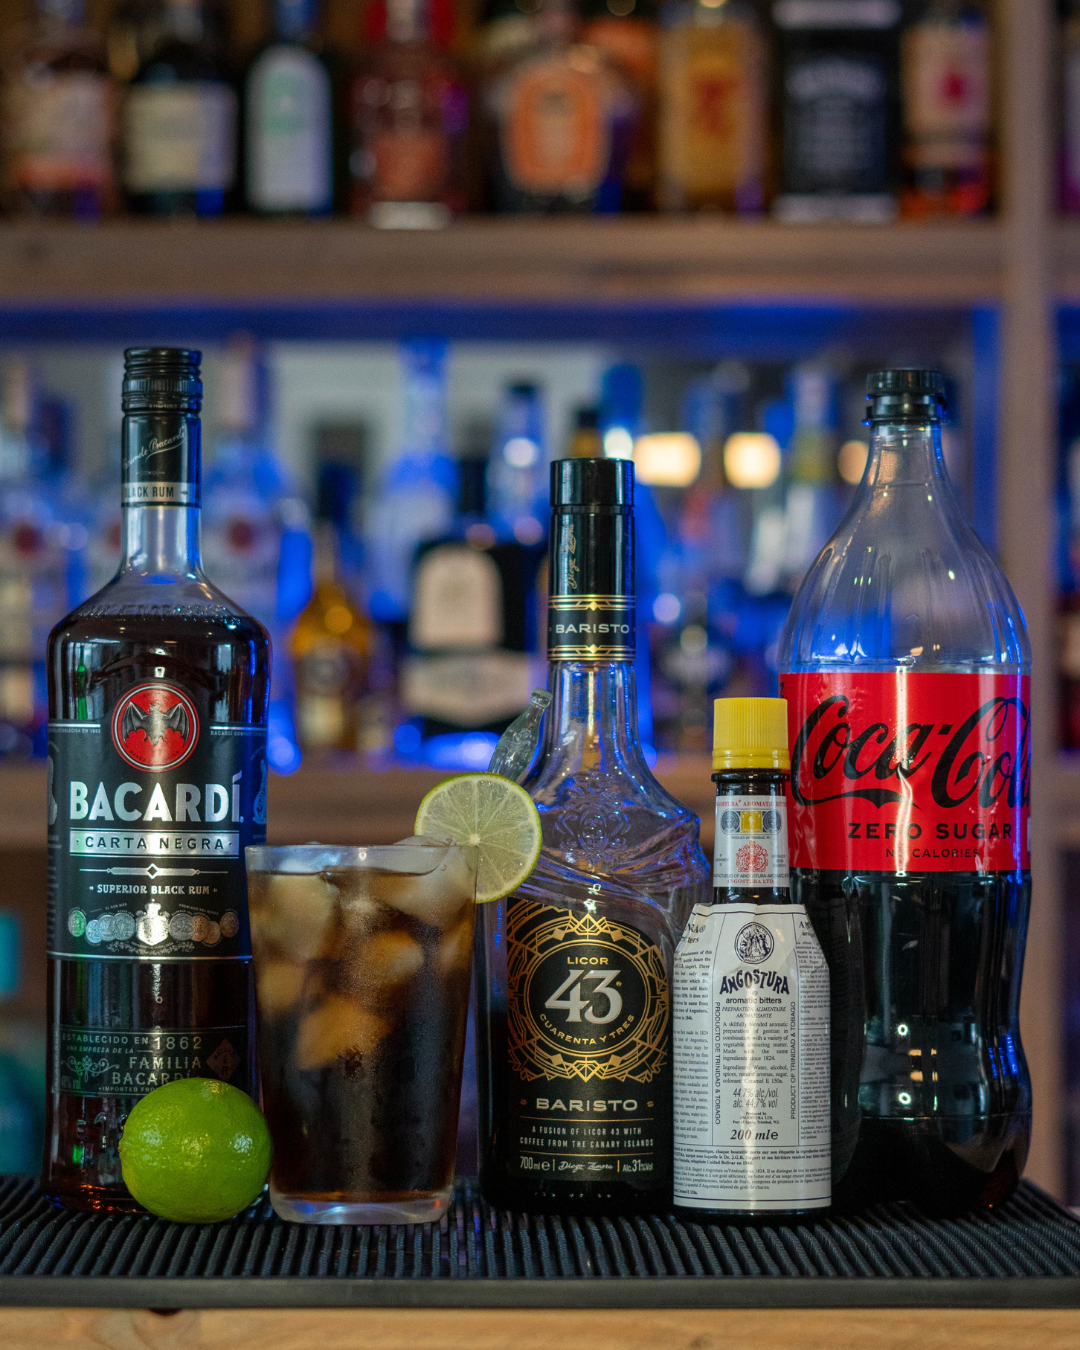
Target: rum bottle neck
[
  {"x": 161, "y": 542},
  {"x": 160, "y": 493}
]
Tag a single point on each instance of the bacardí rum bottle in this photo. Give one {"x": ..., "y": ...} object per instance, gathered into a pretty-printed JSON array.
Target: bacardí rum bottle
[
  {"x": 574, "y": 969},
  {"x": 157, "y": 782}
]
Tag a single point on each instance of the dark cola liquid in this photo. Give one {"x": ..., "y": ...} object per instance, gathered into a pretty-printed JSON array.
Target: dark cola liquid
[
  {"x": 376, "y": 1119},
  {"x": 223, "y": 659},
  {"x": 931, "y": 1095}
]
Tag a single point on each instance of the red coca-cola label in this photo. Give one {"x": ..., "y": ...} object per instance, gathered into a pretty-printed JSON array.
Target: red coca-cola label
[{"x": 907, "y": 772}]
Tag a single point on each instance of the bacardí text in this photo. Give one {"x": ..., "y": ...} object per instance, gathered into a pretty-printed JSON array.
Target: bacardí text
[{"x": 157, "y": 782}]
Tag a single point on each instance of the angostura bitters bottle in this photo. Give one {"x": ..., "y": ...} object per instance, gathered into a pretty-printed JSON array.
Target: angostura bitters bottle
[
  {"x": 905, "y": 663},
  {"x": 751, "y": 1022},
  {"x": 157, "y": 782},
  {"x": 574, "y": 969}
]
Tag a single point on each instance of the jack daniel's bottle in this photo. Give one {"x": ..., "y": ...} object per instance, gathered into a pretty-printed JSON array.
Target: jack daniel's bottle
[
  {"x": 574, "y": 968},
  {"x": 157, "y": 782}
]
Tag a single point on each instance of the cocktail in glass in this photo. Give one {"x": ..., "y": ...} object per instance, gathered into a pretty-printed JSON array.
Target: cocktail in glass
[{"x": 362, "y": 965}]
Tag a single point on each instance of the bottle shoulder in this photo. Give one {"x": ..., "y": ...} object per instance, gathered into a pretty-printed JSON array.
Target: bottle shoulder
[
  {"x": 618, "y": 821},
  {"x": 133, "y": 604},
  {"x": 902, "y": 587}
]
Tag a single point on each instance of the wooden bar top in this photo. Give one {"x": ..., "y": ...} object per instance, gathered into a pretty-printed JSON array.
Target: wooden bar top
[{"x": 546, "y": 1329}]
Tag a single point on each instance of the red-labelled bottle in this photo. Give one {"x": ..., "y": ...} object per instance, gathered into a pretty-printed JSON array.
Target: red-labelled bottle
[
  {"x": 905, "y": 662},
  {"x": 408, "y": 118}
]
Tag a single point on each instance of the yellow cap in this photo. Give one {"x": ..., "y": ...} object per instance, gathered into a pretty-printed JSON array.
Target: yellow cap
[{"x": 750, "y": 733}]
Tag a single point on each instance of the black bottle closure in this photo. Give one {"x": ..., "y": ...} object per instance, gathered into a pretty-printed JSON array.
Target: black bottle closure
[
  {"x": 591, "y": 579},
  {"x": 162, "y": 435},
  {"x": 907, "y": 394}
]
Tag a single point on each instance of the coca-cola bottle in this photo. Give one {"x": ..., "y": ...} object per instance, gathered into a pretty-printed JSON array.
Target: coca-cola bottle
[{"x": 905, "y": 662}]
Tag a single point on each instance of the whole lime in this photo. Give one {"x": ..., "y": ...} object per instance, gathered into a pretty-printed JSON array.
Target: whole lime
[{"x": 195, "y": 1151}]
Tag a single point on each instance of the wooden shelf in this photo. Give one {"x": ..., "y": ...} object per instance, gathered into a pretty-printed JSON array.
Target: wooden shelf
[{"x": 490, "y": 259}]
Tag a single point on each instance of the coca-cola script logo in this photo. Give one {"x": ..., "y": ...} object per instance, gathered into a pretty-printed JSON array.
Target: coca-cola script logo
[
  {"x": 155, "y": 727},
  {"x": 921, "y": 771},
  {"x": 986, "y": 756}
]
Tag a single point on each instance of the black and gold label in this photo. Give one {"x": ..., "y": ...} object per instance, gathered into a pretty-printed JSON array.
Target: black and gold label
[
  {"x": 591, "y": 628},
  {"x": 588, "y": 1046}
]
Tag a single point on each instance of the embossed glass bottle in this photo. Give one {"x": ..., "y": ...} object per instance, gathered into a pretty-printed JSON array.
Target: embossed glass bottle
[{"x": 574, "y": 969}]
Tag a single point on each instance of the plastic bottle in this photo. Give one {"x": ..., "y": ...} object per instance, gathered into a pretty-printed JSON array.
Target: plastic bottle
[{"x": 905, "y": 662}]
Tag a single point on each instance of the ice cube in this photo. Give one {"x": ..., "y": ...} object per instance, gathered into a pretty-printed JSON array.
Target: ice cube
[
  {"x": 437, "y": 899},
  {"x": 335, "y": 1027},
  {"x": 417, "y": 855},
  {"x": 279, "y": 984},
  {"x": 384, "y": 965},
  {"x": 358, "y": 909},
  {"x": 455, "y": 951},
  {"x": 301, "y": 906}
]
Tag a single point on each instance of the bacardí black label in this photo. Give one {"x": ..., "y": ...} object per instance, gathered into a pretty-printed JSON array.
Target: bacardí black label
[
  {"x": 150, "y": 810},
  {"x": 125, "y": 1062},
  {"x": 588, "y": 1046}
]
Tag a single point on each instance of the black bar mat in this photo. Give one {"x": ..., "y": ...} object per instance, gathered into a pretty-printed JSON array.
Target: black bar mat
[{"x": 1025, "y": 1254}]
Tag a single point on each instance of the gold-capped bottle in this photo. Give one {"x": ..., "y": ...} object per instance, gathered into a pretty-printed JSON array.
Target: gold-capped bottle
[{"x": 751, "y": 1022}]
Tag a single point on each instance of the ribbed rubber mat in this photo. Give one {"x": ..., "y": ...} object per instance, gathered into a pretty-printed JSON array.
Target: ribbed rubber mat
[{"x": 43, "y": 1248}]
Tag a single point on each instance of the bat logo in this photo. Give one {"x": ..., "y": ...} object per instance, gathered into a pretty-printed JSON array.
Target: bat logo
[{"x": 155, "y": 727}]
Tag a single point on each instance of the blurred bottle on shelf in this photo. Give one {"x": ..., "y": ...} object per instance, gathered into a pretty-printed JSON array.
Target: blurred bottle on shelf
[
  {"x": 408, "y": 119},
  {"x": 714, "y": 517},
  {"x": 289, "y": 118},
  {"x": 472, "y": 629},
  {"x": 838, "y": 111},
  {"x": 683, "y": 656},
  {"x": 714, "y": 120},
  {"x": 518, "y": 467},
  {"x": 331, "y": 648},
  {"x": 1068, "y": 562},
  {"x": 812, "y": 507},
  {"x": 33, "y": 569},
  {"x": 585, "y": 440},
  {"x": 416, "y": 495},
  {"x": 1070, "y": 117},
  {"x": 503, "y": 31},
  {"x": 249, "y": 503},
  {"x": 693, "y": 662},
  {"x": 21, "y": 1123},
  {"x": 621, "y": 422},
  {"x": 59, "y": 118},
  {"x": 131, "y": 34},
  {"x": 180, "y": 116},
  {"x": 628, "y": 31},
  {"x": 341, "y": 449},
  {"x": 946, "y": 77},
  {"x": 241, "y": 483},
  {"x": 562, "y": 117}
]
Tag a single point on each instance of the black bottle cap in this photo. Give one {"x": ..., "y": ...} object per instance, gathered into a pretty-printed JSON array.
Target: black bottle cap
[
  {"x": 907, "y": 394},
  {"x": 162, "y": 379},
  {"x": 593, "y": 485}
]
